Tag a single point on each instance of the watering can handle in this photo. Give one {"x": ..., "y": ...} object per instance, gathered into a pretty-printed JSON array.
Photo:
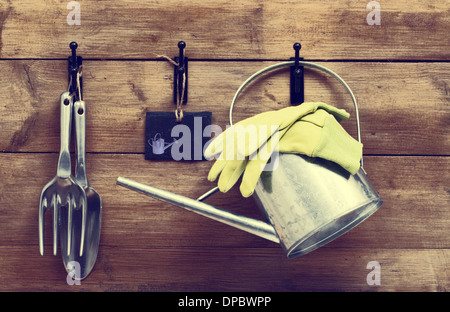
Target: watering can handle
[{"x": 290, "y": 63}]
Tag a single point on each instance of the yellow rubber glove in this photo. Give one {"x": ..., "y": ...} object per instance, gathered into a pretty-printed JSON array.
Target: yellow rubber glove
[
  {"x": 318, "y": 134},
  {"x": 332, "y": 143},
  {"x": 236, "y": 158},
  {"x": 265, "y": 124}
]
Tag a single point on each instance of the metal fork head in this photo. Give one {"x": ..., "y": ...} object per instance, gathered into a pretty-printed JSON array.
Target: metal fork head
[
  {"x": 62, "y": 194},
  {"x": 63, "y": 197}
]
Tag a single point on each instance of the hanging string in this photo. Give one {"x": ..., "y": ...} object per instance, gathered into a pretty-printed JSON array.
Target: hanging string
[
  {"x": 180, "y": 98},
  {"x": 179, "y": 110},
  {"x": 167, "y": 59},
  {"x": 79, "y": 74},
  {"x": 70, "y": 83}
]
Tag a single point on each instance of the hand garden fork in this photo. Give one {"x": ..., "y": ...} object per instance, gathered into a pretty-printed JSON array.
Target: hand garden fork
[
  {"x": 62, "y": 193},
  {"x": 86, "y": 221}
]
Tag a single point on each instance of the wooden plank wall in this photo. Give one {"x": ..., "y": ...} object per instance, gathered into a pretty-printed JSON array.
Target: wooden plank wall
[{"x": 399, "y": 71}]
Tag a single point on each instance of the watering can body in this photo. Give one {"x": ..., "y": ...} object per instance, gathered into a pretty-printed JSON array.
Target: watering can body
[{"x": 311, "y": 201}]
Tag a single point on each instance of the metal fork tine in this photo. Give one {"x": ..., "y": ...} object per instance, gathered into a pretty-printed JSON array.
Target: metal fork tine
[
  {"x": 56, "y": 204},
  {"x": 42, "y": 208}
]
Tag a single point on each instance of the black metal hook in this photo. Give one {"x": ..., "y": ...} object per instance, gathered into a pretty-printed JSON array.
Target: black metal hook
[
  {"x": 297, "y": 77},
  {"x": 180, "y": 72},
  {"x": 74, "y": 63}
]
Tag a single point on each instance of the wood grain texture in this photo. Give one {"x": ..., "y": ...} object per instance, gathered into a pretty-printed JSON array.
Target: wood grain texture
[
  {"x": 203, "y": 269},
  {"x": 400, "y": 113},
  {"x": 227, "y": 29},
  {"x": 410, "y": 187},
  {"x": 399, "y": 72},
  {"x": 154, "y": 246}
]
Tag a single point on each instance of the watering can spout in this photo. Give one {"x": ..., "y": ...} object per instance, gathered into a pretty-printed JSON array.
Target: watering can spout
[{"x": 253, "y": 226}]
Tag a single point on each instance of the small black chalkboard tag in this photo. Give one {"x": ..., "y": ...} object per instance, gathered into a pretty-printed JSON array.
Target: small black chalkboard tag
[{"x": 168, "y": 139}]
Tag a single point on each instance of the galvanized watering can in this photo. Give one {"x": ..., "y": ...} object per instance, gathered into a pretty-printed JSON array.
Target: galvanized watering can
[{"x": 308, "y": 201}]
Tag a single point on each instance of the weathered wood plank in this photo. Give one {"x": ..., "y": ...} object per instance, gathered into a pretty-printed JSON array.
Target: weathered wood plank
[
  {"x": 403, "y": 106},
  {"x": 250, "y": 29},
  {"x": 230, "y": 269},
  {"x": 414, "y": 214}
]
